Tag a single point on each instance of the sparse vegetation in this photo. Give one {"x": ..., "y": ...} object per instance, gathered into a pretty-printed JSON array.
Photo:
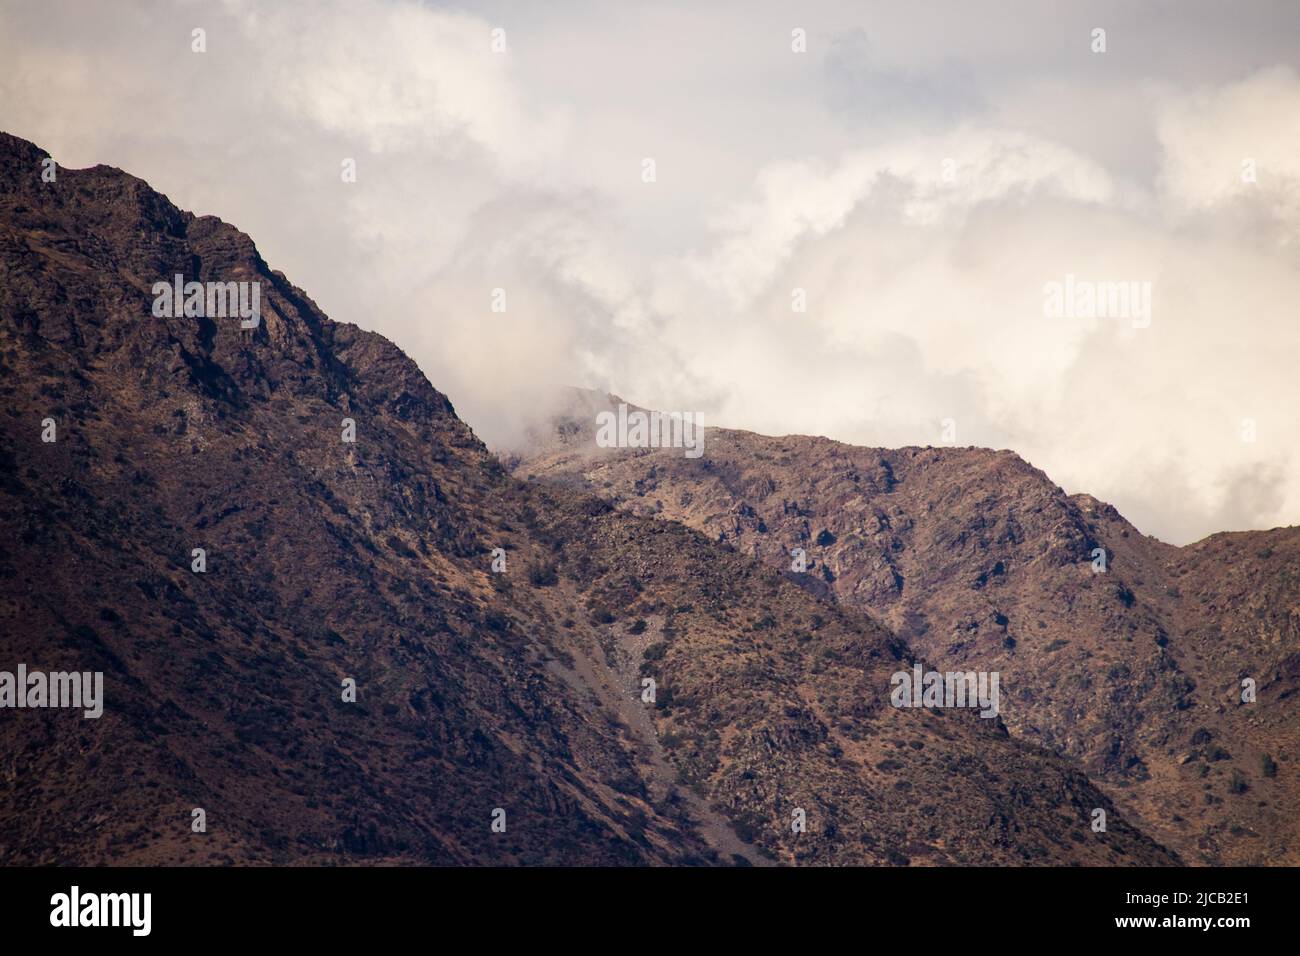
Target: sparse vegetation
[{"x": 543, "y": 575}]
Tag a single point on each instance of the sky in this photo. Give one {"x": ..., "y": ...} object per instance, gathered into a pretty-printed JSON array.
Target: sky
[{"x": 856, "y": 216}]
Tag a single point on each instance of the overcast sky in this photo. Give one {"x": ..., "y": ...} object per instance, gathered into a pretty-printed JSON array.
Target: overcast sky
[{"x": 922, "y": 172}]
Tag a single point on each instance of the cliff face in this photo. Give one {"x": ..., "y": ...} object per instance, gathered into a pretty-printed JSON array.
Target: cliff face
[
  {"x": 327, "y": 562},
  {"x": 979, "y": 561}
]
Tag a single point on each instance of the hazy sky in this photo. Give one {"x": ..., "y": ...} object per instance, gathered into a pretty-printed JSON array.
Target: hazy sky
[{"x": 922, "y": 172}]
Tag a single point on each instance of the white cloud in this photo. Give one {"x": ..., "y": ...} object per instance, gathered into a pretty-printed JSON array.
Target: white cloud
[
  {"x": 522, "y": 171},
  {"x": 1236, "y": 146}
]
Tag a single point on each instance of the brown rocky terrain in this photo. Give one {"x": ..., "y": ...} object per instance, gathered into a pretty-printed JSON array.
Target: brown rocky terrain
[
  {"x": 979, "y": 561},
  {"x": 329, "y": 560}
]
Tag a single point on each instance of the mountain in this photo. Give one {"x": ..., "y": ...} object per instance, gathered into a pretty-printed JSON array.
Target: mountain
[
  {"x": 1133, "y": 670},
  {"x": 328, "y": 564}
]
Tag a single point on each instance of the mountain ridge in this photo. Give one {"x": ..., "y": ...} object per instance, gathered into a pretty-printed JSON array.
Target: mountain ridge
[
  {"x": 978, "y": 559},
  {"x": 327, "y": 560}
]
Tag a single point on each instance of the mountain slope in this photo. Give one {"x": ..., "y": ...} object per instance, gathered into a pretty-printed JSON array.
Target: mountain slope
[
  {"x": 328, "y": 561},
  {"x": 979, "y": 561}
]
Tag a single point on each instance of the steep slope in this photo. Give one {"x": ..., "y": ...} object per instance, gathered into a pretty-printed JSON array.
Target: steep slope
[
  {"x": 980, "y": 562},
  {"x": 327, "y": 561},
  {"x": 324, "y": 561},
  {"x": 771, "y": 702}
]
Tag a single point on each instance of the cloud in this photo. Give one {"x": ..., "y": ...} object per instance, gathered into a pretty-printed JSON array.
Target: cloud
[
  {"x": 925, "y": 303},
  {"x": 1231, "y": 152},
  {"x": 919, "y": 189},
  {"x": 860, "y": 87}
]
